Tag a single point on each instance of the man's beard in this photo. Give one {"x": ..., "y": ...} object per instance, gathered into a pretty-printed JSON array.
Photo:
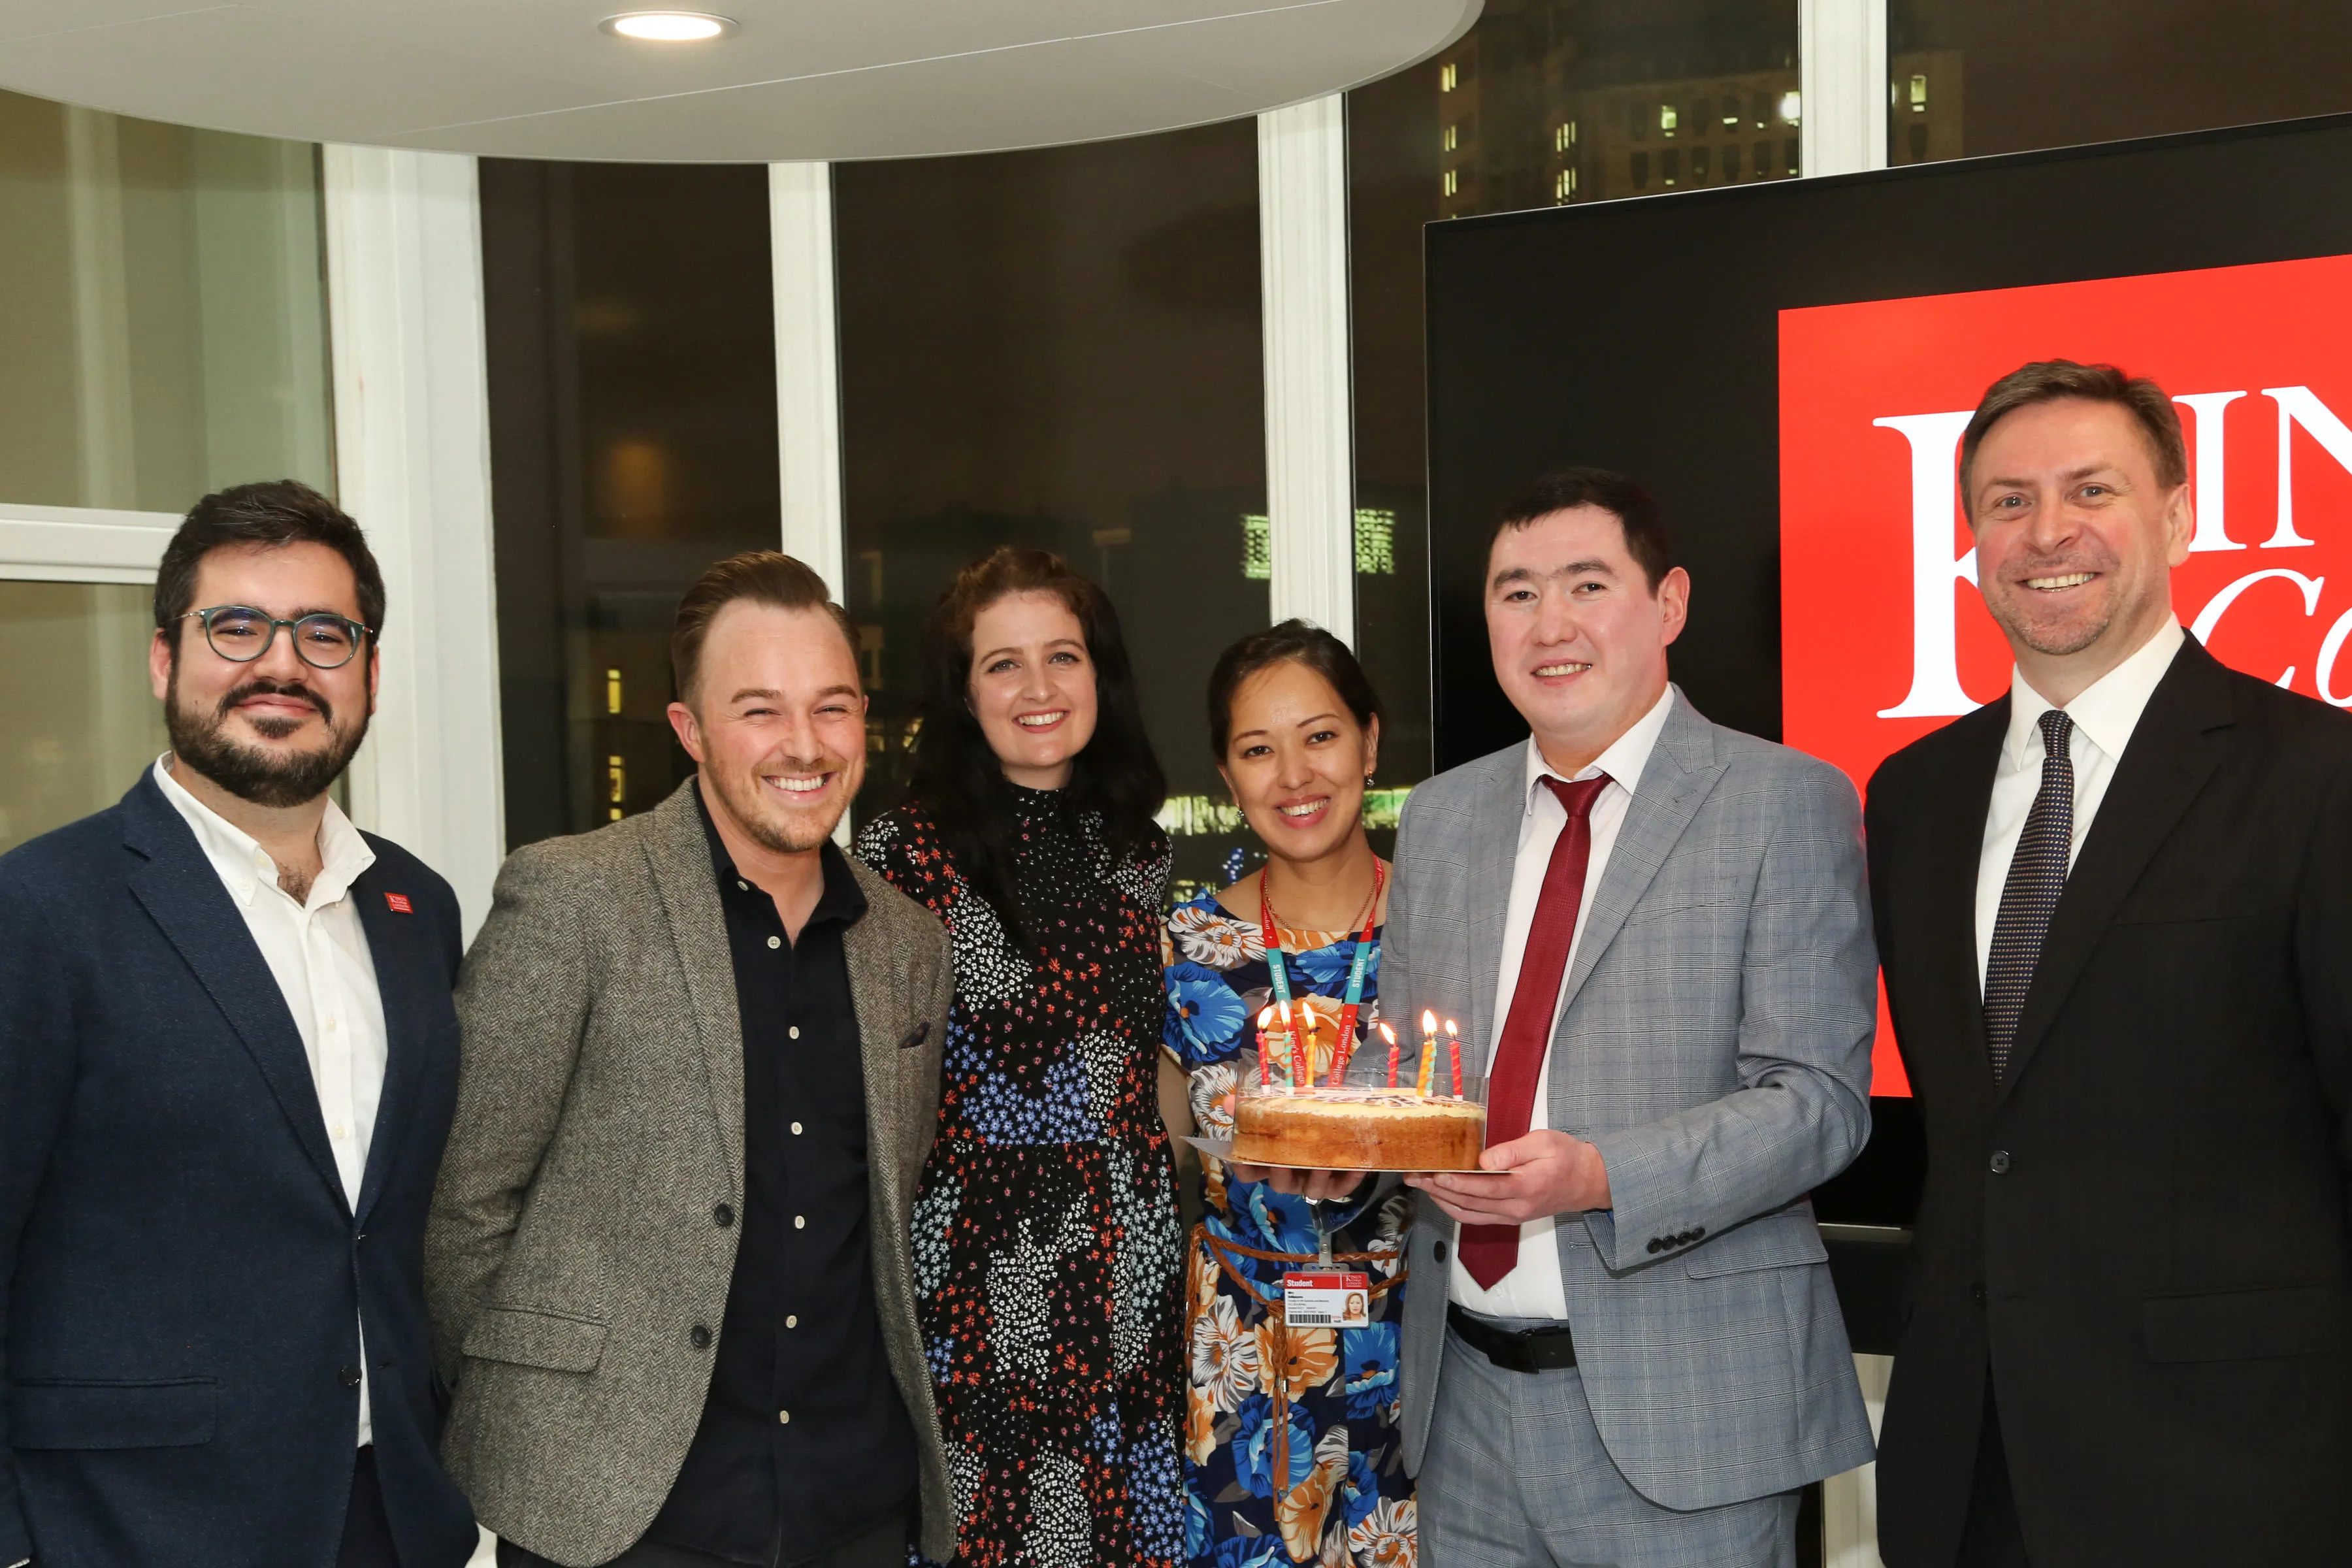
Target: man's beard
[
  {"x": 265, "y": 778},
  {"x": 769, "y": 824}
]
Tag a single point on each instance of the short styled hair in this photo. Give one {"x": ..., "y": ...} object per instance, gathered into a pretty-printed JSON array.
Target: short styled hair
[
  {"x": 2048, "y": 380},
  {"x": 1635, "y": 510},
  {"x": 763, "y": 576},
  {"x": 1293, "y": 641},
  {"x": 270, "y": 515}
]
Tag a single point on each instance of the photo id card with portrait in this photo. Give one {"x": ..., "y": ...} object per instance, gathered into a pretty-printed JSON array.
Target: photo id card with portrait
[{"x": 1327, "y": 1298}]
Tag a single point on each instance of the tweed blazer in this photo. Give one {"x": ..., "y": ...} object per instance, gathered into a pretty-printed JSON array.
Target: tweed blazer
[
  {"x": 1713, "y": 1043},
  {"x": 572, "y": 1255}
]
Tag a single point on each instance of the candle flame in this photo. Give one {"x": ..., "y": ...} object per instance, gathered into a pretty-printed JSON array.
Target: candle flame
[
  {"x": 1451, "y": 1027},
  {"x": 1264, "y": 1016},
  {"x": 1428, "y": 1021},
  {"x": 1387, "y": 1033}
]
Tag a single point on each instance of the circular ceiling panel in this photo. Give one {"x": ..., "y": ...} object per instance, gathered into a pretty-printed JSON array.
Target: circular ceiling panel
[{"x": 782, "y": 79}]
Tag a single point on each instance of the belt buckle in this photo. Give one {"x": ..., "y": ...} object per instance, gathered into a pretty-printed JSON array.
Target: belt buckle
[
  {"x": 1515, "y": 1350},
  {"x": 1520, "y": 1348}
]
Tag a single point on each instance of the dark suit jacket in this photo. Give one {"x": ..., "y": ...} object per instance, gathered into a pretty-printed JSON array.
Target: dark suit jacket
[
  {"x": 182, "y": 1281},
  {"x": 2143, "y": 1232}
]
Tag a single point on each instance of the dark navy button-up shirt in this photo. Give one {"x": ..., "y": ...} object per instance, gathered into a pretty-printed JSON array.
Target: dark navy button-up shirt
[{"x": 805, "y": 1441}]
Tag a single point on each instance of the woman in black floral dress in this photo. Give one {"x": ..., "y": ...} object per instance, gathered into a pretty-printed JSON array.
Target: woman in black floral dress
[{"x": 1047, "y": 1239}]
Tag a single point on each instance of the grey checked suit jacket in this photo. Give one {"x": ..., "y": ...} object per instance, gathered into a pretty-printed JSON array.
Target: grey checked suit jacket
[
  {"x": 600, "y": 1121},
  {"x": 1714, "y": 1043}
]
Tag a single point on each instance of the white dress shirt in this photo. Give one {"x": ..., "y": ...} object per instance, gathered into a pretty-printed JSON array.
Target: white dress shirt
[
  {"x": 1533, "y": 1288},
  {"x": 2105, "y": 712},
  {"x": 318, "y": 951}
]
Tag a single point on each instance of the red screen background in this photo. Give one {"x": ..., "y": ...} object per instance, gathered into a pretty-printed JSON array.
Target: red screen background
[{"x": 2280, "y": 333}]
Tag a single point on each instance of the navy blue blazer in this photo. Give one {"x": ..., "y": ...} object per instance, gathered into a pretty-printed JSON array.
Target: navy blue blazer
[{"x": 181, "y": 1280}]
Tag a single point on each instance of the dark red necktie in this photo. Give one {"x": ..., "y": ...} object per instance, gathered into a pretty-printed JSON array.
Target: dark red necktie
[{"x": 1491, "y": 1251}]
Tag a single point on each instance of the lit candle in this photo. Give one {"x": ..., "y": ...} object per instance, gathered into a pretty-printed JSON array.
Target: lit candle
[
  {"x": 1428, "y": 1051},
  {"x": 1265, "y": 1061},
  {"x": 1295, "y": 1038},
  {"x": 1453, "y": 1050},
  {"x": 1389, "y": 1034}
]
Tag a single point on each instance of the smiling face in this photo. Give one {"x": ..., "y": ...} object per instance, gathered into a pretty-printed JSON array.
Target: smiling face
[
  {"x": 777, "y": 722},
  {"x": 1296, "y": 761},
  {"x": 2076, "y": 537},
  {"x": 1579, "y": 638},
  {"x": 1032, "y": 687},
  {"x": 274, "y": 731}
]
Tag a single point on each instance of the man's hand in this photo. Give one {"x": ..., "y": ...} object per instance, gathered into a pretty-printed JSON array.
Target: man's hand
[
  {"x": 1540, "y": 1174},
  {"x": 1321, "y": 1187}
]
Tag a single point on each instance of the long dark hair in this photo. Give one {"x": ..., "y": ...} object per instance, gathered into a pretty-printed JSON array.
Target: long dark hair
[{"x": 956, "y": 778}]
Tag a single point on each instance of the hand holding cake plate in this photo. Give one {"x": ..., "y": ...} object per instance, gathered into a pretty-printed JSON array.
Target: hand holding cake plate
[{"x": 1534, "y": 1176}]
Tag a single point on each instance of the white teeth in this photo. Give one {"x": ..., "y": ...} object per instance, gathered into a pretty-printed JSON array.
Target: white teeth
[
  {"x": 799, "y": 785},
  {"x": 1568, "y": 668},
  {"x": 1038, "y": 721},
  {"x": 1308, "y": 809},
  {"x": 2051, "y": 584}
]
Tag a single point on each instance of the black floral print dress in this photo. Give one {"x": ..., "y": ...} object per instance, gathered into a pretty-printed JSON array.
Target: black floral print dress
[{"x": 1045, "y": 1233}]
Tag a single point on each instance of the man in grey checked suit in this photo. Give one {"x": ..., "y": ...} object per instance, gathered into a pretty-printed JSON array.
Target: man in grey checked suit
[
  {"x": 668, "y": 1263},
  {"x": 1622, "y": 1347}
]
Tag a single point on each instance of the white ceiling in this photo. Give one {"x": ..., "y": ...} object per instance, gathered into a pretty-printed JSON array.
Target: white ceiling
[{"x": 801, "y": 79}]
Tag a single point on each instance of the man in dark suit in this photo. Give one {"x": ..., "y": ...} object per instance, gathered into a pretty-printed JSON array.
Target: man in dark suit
[
  {"x": 228, "y": 1062},
  {"x": 2115, "y": 912}
]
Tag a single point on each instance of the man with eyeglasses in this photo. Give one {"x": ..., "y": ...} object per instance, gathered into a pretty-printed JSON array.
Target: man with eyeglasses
[{"x": 227, "y": 1062}]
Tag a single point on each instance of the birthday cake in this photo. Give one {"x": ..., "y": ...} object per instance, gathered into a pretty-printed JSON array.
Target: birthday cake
[{"x": 1359, "y": 1129}]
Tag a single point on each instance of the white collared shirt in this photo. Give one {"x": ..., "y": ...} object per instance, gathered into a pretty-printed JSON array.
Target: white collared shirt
[
  {"x": 318, "y": 951},
  {"x": 1534, "y": 1288},
  {"x": 2105, "y": 712}
]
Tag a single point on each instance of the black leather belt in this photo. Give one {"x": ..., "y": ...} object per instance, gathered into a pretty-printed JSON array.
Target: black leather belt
[{"x": 1513, "y": 1349}]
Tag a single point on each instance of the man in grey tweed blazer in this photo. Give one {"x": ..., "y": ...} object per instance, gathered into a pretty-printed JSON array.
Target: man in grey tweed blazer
[
  {"x": 668, "y": 1262},
  {"x": 1622, "y": 1347}
]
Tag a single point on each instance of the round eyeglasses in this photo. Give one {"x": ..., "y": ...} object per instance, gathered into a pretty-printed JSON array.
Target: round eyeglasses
[{"x": 242, "y": 634}]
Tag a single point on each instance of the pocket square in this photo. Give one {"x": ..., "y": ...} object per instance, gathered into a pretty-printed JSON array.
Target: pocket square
[{"x": 916, "y": 1036}]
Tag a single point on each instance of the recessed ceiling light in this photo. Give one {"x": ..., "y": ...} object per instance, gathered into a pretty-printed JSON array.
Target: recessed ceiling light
[{"x": 668, "y": 27}]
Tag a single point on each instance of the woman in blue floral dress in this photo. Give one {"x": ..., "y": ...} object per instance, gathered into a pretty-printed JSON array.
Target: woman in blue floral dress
[{"x": 1291, "y": 1445}]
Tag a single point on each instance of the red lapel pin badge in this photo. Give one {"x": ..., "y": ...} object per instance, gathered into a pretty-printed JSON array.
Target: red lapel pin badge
[{"x": 398, "y": 904}]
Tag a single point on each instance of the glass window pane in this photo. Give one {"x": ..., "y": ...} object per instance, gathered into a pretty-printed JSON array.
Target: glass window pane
[
  {"x": 2057, "y": 76},
  {"x": 72, "y": 741},
  {"x": 632, "y": 442},
  {"x": 162, "y": 301},
  {"x": 1541, "y": 103},
  {"x": 1060, "y": 348}
]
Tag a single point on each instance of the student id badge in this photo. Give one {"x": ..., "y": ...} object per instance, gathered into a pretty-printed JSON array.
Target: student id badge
[{"x": 1327, "y": 1298}]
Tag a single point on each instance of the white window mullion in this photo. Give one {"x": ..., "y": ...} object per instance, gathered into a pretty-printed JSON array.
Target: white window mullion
[
  {"x": 1842, "y": 75},
  {"x": 808, "y": 380},
  {"x": 1302, "y": 207},
  {"x": 404, "y": 241},
  {"x": 1843, "y": 70},
  {"x": 808, "y": 376}
]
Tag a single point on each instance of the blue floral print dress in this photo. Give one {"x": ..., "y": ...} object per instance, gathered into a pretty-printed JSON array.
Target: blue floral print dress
[{"x": 1292, "y": 1453}]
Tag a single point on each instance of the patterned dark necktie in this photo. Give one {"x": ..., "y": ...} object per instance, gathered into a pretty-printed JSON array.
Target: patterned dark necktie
[
  {"x": 2037, "y": 874},
  {"x": 1491, "y": 1251}
]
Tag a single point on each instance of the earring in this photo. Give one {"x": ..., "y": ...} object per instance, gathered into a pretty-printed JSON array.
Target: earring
[{"x": 1368, "y": 781}]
